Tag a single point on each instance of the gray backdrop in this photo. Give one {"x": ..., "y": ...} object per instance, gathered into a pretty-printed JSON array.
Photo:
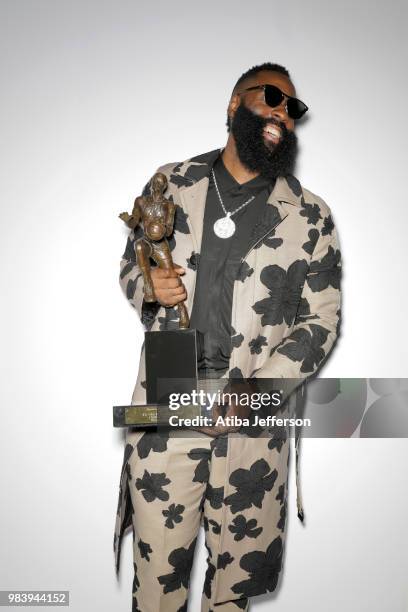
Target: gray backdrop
[{"x": 96, "y": 95}]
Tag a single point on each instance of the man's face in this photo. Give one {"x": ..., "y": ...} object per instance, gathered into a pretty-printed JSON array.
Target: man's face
[{"x": 264, "y": 136}]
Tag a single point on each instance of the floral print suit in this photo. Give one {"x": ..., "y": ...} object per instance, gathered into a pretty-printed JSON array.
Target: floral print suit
[{"x": 285, "y": 320}]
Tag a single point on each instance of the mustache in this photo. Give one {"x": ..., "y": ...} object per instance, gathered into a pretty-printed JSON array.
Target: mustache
[
  {"x": 263, "y": 123},
  {"x": 273, "y": 121}
]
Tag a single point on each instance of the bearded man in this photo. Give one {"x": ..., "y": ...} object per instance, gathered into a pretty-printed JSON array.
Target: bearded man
[{"x": 258, "y": 265}]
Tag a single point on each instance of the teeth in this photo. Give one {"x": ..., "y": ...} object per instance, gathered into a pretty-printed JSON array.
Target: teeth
[{"x": 274, "y": 131}]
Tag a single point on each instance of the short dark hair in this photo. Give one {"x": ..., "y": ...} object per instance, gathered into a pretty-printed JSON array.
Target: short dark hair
[
  {"x": 261, "y": 68},
  {"x": 269, "y": 66}
]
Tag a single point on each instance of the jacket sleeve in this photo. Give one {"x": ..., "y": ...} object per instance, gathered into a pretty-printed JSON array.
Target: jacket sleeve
[
  {"x": 317, "y": 323},
  {"x": 131, "y": 278}
]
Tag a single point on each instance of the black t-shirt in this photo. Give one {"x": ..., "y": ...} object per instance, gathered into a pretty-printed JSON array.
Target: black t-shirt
[{"x": 220, "y": 260}]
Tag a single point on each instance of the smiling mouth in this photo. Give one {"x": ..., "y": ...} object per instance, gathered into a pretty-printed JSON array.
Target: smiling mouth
[{"x": 272, "y": 133}]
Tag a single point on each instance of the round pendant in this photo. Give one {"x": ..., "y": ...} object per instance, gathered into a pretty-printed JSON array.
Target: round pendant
[{"x": 224, "y": 227}]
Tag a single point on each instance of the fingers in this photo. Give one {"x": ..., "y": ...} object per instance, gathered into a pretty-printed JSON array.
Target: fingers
[
  {"x": 170, "y": 296},
  {"x": 179, "y": 269},
  {"x": 170, "y": 301},
  {"x": 167, "y": 273},
  {"x": 168, "y": 287},
  {"x": 170, "y": 284}
]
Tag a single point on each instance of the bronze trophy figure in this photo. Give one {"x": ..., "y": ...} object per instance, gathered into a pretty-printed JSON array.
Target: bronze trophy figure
[
  {"x": 171, "y": 355},
  {"x": 156, "y": 214}
]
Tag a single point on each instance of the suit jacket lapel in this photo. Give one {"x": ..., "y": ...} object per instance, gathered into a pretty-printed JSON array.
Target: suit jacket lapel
[
  {"x": 193, "y": 202},
  {"x": 286, "y": 191},
  {"x": 192, "y": 179}
]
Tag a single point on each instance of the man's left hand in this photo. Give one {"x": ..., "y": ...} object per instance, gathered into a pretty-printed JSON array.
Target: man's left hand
[{"x": 235, "y": 409}]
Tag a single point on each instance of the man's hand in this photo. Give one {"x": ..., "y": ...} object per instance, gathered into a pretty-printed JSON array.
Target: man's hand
[
  {"x": 167, "y": 285},
  {"x": 236, "y": 410}
]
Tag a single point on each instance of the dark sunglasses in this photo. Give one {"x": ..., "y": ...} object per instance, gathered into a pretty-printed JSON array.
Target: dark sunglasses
[{"x": 273, "y": 97}]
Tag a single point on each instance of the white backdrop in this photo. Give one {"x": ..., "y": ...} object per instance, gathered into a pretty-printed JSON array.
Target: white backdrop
[{"x": 96, "y": 95}]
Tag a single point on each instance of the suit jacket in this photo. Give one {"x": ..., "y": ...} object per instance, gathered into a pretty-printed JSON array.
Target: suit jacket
[{"x": 286, "y": 300}]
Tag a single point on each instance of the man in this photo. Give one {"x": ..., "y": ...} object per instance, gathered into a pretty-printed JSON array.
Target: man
[{"x": 264, "y": 294}]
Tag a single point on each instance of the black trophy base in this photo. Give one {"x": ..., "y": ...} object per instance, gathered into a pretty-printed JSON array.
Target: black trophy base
[{"x": 171, "y": 369}]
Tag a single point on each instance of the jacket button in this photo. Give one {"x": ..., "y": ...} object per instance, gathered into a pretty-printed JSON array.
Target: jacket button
[{"x": 193, "y": 259}]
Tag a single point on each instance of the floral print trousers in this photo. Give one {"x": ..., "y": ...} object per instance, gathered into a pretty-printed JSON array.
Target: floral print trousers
[{"x": 235, "y": 485}]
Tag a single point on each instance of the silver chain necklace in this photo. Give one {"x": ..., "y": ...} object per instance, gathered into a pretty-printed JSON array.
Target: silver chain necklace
[{"x": 225, "y": 226}]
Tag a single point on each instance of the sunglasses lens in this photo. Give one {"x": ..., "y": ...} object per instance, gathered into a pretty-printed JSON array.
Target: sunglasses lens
[
  {"x": 296, "y": 108},
  {"x": 273, "y": 96}
]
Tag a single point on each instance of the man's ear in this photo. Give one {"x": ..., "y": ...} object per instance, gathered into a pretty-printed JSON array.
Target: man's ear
[{"x": 233, "y": 105}]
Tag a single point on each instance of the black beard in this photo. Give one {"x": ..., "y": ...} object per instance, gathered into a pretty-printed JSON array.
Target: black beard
[{"x": 254, "y": 154}]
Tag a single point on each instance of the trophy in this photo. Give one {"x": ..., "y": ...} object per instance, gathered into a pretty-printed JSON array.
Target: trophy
[{"x": 171, "y": 356}]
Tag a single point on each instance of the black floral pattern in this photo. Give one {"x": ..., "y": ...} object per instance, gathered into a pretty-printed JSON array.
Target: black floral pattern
[
  {"x": 306, "y": 346},
  {"x": 128, "y": 268},
  {"x": 281, "y": 494},
  {"x": 149, "y": 313},
  {"x": 177, "y": 167},
  {"x": 193, "y": 261},
  {"x": 240, "y": 603},
  {"x": 182, "y": 560},
  {"x": 303, "y": 312},
  {"x": 294, "y": 184},
  {"x": 180, "y": 221},
  {"x": 145, "y": 550},
  {"x": 243, "y": 528},
  {"x": 131, "y": 287},
  {"x": 209, "y": 575},
  {"x": 152, "y": 441},
  {"x": 215, "y": 496},
  {"x": 279, "y": 436},
  {"x": 285, "y": 289},
  {"x": 251, "y": 486},
  {"x": 236, "y": 373},
  {"x": 127, "y": 454},
  {"x": 173, "y": 515},
  {"x": 216, "y": 527},
  {"x": 282, "y": 520},
  {"x": 256, "y": 344},
  {"x": 244, "y": 271},
  {"x": 338, "y": 314},
  {"x": 152, "y": 485},
  {"x": 135, "y": 607},
  {"x": 309, "y": 246},
  {"x": 326, "y": 272},
  {"x": 224, "y": 560},
  {"x": 312, "y": 212},
  {"x": 202, "y": 471},
  {"x": 272, "y": 242},
  {"x": 328, "y": 226},
  {"x": 236, "y": 339},
  {"x": 179, "y": 180},
  {"x": 219, "y": 446},
  {"x": 263, "y": 569},
  {"x": 136, "y": 583}
]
